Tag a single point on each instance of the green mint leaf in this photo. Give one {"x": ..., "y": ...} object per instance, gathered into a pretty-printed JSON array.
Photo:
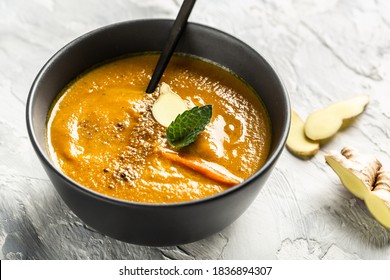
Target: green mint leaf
[{"x": 187, "y": 126}]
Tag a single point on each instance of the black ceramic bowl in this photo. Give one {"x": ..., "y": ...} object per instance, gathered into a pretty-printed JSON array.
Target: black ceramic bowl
[{"x": 156, "y": 224}]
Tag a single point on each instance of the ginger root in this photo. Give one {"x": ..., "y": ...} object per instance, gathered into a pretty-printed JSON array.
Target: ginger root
[
  {"x": 357, "y": 173},
  {"x": 297, "y": 142},
  {"x": 382, "y": 186},
  {"x": 378, "y": 202},
  {"x": 366, "y": 179},
  {"x": 324, "y": 123}
]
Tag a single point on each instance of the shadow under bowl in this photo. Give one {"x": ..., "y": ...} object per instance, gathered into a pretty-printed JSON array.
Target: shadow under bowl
[{"x": 156, "y": 224}]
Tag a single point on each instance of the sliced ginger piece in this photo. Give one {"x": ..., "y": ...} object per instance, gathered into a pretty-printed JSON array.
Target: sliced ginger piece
[
  {"x": 366, "y": 179},
  {"x": 378, "y": 202},
  {"x": 382, "y": 186},
  {"x": 355, "y": 172},
  {"x": 167, "y": 106},
  {"x": 349, "y": 179},
  {"x": 324, "y": 123},
  {"x": 297, "y": 142},
  {"x": 378, "y": 208}
]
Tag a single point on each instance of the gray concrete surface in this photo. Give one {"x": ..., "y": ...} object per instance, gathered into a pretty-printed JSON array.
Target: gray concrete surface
[{"x": 323, "y": 50}]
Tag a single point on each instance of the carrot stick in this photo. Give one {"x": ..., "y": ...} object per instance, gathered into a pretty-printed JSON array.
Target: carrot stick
[{"x": 210, "y": 170}]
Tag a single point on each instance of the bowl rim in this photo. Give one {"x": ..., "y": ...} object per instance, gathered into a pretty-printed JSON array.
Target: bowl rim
[{"x": 271, "y": 159}]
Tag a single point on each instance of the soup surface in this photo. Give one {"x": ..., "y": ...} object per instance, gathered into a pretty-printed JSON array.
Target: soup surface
[{"x": 102, "y": 134}]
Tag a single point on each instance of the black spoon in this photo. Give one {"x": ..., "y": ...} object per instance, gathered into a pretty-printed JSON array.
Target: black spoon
[{"x": 174, "y": 36}]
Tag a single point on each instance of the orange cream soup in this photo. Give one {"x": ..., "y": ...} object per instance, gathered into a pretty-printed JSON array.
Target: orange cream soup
[{"x": 101, "y": 132}]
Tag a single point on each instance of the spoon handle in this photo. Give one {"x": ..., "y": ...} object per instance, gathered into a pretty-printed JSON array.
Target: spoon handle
[{"x": 174, "y": 35}]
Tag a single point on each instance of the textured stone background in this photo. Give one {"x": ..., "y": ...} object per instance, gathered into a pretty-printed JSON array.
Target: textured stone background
[{"x": 323, "y": 50}]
